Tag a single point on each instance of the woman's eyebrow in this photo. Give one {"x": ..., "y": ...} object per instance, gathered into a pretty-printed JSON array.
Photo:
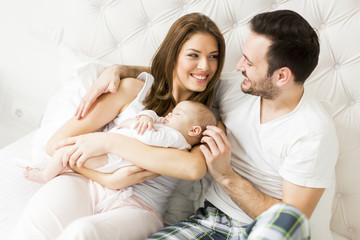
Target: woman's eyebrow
[{"x": 195, "y": 50}]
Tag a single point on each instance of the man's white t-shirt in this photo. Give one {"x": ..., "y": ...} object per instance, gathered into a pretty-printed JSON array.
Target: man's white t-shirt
[{"x": 300, "y": 147}]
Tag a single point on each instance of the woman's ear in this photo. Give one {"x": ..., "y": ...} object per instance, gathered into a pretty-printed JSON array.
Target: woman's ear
[{"x": 195, "y": 131}]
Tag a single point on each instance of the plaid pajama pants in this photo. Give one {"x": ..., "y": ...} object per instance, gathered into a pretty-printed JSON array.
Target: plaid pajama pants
[{"x": 281, "y": 221}]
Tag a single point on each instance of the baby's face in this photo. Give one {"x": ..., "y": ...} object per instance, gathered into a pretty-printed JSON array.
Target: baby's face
[{"x": 181, "y": 118}]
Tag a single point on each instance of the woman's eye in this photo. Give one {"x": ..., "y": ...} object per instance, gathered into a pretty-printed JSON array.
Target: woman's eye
[
  {"x": 214, "y": 57},
  {"x": 193, "y": 55}
]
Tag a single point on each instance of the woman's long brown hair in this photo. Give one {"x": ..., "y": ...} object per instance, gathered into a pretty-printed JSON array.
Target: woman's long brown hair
[{"x": 160, "y": 98}]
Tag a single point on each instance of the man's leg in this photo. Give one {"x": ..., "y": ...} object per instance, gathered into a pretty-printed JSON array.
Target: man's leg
[
  {"x": 281, "y": 221},
  {"x": 208, "y": 223}
]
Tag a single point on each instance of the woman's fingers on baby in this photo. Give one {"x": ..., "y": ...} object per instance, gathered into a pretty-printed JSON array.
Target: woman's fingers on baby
[
  {"x": 80, "y": 161},
  {"x": 147, "y": 175},
  {"x": 133, "y": 169},
  {"x": 66, "y": 156},
  {"x": 74, "y": 157},
  {"x": 65, "y": 142}
]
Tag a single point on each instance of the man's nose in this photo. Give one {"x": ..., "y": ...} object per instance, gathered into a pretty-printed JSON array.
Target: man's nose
[{"x": 240, "y": 66}]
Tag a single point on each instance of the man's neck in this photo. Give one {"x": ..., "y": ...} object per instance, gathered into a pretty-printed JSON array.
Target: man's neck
[{"x": 286, "y": 102}]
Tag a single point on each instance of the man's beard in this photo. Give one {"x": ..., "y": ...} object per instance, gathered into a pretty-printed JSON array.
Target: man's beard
[{"x": 265, "y": 89}]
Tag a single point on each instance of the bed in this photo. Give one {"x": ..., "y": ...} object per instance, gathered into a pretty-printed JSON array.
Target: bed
[{"x": 106, "y": 32}]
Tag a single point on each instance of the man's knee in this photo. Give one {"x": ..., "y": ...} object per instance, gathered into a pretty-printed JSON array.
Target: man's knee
[{"x": 281, "y": 221}]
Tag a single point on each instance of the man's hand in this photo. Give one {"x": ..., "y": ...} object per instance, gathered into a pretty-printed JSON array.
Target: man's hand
[
  {"x": 217, "y": 153},
  {"x": 108, "y": 81}
]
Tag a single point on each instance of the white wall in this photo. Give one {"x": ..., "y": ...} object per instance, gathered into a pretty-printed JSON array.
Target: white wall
[{"x": 29, "y": 57}]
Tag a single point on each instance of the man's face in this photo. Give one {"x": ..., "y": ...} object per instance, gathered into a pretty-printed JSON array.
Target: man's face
[{"x": 254, "y": 67}]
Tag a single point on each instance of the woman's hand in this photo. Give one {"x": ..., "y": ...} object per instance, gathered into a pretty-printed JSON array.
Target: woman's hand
[
  {"x": 121, "y": 178},
  {"x": 108, "y": 81},
  {"x": 129, "y": 175},
  {"x": 83, "y": 147}
]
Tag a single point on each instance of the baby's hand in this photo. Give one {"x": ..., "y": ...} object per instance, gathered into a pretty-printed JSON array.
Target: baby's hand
[{"x": 143, "y": 123}]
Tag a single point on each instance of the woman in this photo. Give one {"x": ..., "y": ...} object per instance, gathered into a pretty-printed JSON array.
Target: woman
[{"x": 186, "y": 67}]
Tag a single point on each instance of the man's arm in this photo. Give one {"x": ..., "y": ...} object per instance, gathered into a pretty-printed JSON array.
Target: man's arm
[
  {"x": 106, "y": 108},
  {"x": 254, "y": 202},
  {"x": 241, "y": 191},
  {"x": 108, "y": 81}
]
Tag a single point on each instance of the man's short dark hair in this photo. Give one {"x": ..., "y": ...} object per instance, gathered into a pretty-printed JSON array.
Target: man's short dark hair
[{"x": 295, "y": 43}]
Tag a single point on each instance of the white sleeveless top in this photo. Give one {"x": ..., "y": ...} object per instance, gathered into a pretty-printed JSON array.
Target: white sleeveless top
[{"x": 154, "y": 192}]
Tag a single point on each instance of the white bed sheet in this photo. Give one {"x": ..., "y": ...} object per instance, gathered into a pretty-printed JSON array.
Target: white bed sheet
[{"x": 14, "y": 189}]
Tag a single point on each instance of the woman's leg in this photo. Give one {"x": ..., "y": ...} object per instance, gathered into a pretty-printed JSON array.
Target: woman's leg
[
  {"x": 57, "y": 204},
  {"x": 134, "y": 221}
]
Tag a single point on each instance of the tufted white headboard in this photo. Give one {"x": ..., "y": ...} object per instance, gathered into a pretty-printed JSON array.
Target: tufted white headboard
[{"x": 129, "y": 32}]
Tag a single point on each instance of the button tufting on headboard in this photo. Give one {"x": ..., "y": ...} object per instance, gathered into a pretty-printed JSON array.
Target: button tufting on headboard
[{"x": 129, "y": 32}]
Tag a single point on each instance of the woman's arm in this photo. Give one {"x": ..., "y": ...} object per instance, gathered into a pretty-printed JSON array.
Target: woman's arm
[
  {"x": 166, "y": 161},
  {"x": 121, "y": 178},
  {"x": 105, "y": 109}
]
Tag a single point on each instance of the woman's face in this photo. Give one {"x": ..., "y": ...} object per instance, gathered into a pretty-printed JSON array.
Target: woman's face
[{"x": 196, "y": 64}]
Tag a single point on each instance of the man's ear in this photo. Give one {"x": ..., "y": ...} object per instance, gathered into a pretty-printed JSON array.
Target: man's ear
[
  {"x": 283, "y": 76},
  {"x": 195, "y": 131}
]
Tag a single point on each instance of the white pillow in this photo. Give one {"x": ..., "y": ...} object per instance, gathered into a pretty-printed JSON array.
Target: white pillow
[{"x": 77, "y": 74}]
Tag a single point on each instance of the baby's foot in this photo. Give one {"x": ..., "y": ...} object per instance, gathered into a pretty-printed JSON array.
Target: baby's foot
[{"x": 34, "y": 174}]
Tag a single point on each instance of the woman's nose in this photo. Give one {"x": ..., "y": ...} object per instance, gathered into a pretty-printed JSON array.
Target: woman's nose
[{"x": 203, "y": 64}]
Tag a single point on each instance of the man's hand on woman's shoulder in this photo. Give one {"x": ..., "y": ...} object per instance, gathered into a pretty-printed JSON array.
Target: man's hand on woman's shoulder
[{"x": 108, "y": 81}]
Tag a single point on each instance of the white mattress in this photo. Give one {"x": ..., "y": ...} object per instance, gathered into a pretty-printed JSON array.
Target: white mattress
[{"x": 14, "y": 189}]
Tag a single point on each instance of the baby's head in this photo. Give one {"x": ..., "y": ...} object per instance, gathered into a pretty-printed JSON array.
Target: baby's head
[{"x": 190, "y": 119}]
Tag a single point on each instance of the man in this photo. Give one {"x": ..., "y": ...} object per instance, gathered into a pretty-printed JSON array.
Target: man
[{"x": 280, "y": 149}]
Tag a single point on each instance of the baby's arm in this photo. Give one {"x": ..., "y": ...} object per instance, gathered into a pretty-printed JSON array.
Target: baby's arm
[{"x": 146, "y": 120}]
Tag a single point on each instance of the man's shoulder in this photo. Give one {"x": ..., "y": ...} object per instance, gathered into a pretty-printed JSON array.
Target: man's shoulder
[{"x": 317, "y": 115}]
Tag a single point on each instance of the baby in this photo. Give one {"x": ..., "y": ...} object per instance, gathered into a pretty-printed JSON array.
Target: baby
[{"x": 182, "y": 129}]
